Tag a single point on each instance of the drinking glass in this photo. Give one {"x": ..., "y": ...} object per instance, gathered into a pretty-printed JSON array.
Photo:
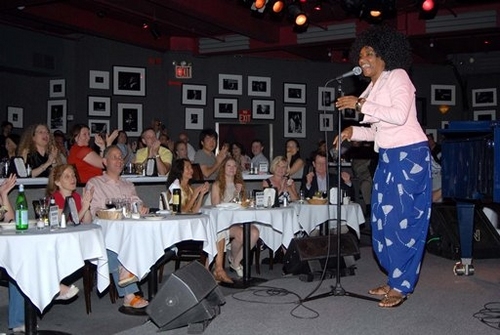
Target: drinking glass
[{"x": 109, "y": 202}]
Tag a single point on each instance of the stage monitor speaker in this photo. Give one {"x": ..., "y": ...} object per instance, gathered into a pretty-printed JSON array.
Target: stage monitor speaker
[
  {"x": 444, "y": 238},
  {"x": 308, "y": 254},
  {"x": 188, "y": 297}
]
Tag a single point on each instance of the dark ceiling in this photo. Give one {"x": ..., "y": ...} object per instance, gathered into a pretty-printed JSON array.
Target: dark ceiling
[{"x": 180, "y": 25}]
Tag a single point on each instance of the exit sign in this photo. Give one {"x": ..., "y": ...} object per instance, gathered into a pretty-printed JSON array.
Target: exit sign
[
  {"x": 183, "y": 71},
  {"x": 245, "y": 116}
]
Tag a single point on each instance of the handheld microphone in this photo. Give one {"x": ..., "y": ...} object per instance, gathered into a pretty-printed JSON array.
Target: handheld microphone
[{"x": 354, "y": 72}]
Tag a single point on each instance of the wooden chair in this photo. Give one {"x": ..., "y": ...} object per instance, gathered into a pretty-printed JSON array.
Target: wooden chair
[
  {"x": 89, "y": 275},
  {"x": 260, "y": 245}
]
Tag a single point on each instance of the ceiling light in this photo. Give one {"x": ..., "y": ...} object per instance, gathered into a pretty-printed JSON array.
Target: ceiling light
[
  {"x": 318, "y": 5},
  {"x": 298, "y": 17},
  {"x": 277, "y": 6},
  {"x": 259, "y": 4},
  {"x": 427, "y": 9}
]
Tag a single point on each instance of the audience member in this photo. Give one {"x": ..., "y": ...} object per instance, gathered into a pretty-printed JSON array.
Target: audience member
[
  {"x": 125, "y": 147},
  {"x": 158, "y": 127},
  {"x": 179, "y": 177},
  {"x": 61, "y": 145},
  {"x": 258, "y": 153},
  {"x": 205, "y": 157},
  {"x": 153, "y": 149},
  {"x": 166, "y": 142},
  {"x": 229, "y": 185},
  {"x": 62, "y": 184},
  {"x": 318, "y": 180},
  {"x": 38, "y": 149},
  {"x": 111, "y": 185},
  {"x": 88, "y": 163},
  {"x": 5, "y": 131},
  {"x": 285, "y": 186},
  {"x": 295, "y": 163},
  {"x": 239, "y": 155},
  {"x": 180, "y": 150},
  {"x": 183, "y": 136},
  {"x": 11, "y": 144}
]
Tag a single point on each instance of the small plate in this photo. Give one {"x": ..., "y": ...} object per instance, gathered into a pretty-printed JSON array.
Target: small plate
[{"x": 152, "y": 217}]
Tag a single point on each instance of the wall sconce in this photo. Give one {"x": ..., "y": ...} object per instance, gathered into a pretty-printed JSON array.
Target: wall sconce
[{"x": 444, "y": 109}]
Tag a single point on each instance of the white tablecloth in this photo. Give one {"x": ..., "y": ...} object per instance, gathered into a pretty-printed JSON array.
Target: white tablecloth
[
  {"x": 39, "y": 259},
  {"x": 140, "y": 243},
  {"x": 276, "y": 225},
  {"x": 310, "y": 216}
]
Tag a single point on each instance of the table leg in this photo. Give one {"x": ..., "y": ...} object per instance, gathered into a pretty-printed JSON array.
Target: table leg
[{"x": 30, "y": 321}]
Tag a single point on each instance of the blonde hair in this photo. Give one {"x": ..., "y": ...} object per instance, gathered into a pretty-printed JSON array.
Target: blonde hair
[{"x": 276, "y": 161}]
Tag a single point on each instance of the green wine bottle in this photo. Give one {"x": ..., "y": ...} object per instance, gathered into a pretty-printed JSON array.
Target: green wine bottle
[{"x": 21, "y": 210}]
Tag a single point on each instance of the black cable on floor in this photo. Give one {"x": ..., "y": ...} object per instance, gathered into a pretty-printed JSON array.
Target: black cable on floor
[{"x": 490, "y": 315}]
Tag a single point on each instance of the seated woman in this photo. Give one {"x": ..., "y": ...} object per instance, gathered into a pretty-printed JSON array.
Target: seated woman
[
  {"x": 11, "y": 144},
  {"x": 38, "y": 149},
  {"x": 62, "y": 184},
  {"x": 228, "y": 185},
  {"x": 179, "y": 177},
  {"x": 88, "y": 163},
  {"x": 238, "y": 153},
  {"x": 295, "y": 162},
  {"x": 279, "y": 180},
  {"x": 180, "y": 150},
  {"x": 16, "y": 299}
]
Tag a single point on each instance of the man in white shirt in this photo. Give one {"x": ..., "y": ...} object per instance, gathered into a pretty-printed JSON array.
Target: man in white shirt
[{"x": 258, "y": 156}]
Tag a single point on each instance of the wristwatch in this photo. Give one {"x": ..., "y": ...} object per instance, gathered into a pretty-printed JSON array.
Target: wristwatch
[
  {"x": 157, "y": 156},
  {"x": 358, "y": 105}
]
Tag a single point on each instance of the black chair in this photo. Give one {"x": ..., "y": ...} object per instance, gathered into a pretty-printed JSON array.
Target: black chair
[{"x": 187, "y": 251}]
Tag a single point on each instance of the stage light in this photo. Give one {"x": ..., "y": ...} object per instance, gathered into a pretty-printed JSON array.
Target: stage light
[
  {"x": 259, "y": 4},
  {"x": 155, "y": 31},
  {"x": 145, "y": 25},
  {"x": 277, "y": 6},
  {"x": 298, "y": 16},
  {"x": 427, "y": 9},
  {"x": 318, "y": 5},
  {"x": 258, "y": 7}
]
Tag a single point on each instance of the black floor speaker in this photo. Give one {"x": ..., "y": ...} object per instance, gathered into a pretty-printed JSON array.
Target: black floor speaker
[
  {"x": 309, "y": 254},
  {"x": 189, "y": 297},
  {"x": 444, "y": 239}
]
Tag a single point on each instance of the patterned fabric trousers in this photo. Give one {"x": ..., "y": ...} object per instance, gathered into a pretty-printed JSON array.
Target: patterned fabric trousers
[{"x": 401, "y": 209}]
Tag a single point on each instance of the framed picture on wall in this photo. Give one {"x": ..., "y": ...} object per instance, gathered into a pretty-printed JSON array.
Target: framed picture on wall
[
  {"x": 326, "y": 97},
  {"x": 432, "y": 132},
  {"x": 445, "y": 124},
  {"x": 325, "y": 122},
  {"x": 194, "y": 118},
  {"x": 57, "y": 88},
  {"x": 443, "y": 95},
  {"x": 194, "y": 94},
  {"x": 15, "y": 116},
  {"x": 226, "y": 108},
  {"x": 99, "y": 80},
  {"x": 484, "y": 97},
  {"x": 56, "y": 115},
  {"x": 99, "y": 106},
  {"x": 263, "y": 109},
  {"x": 294, "y": 121},
  {"x": 259, "y": 86},
  {"x": 294, "y": 93},
  {"x": 230, "y": 84},
  {"x": 130, "y": 118},
  {"x": 99, "y": 127},
  {"x": 488, "y": 115},
  {"x": 129, "y": 81}
]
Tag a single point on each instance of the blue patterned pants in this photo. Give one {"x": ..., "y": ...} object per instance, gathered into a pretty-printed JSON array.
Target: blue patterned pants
[{"x": 401, "y": 209}]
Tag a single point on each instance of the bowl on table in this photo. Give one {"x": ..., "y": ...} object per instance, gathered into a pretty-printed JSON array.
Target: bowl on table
[
  {"x": 110, "y": 214},
  {"x": 317, "y": 201}
]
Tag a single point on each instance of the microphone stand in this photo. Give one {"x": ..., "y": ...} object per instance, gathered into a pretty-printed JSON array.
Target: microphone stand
[{"x": 338, "y": 290}]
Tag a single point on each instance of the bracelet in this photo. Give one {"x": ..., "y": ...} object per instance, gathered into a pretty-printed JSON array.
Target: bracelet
[{"x": 357, "y": 107}]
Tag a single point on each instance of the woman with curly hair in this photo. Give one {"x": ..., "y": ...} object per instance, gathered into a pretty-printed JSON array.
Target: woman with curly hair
[
  {"x": 228, "y": 185},
  {"x": 401, "y": 195},
  {"x": 38, "y": 149}
]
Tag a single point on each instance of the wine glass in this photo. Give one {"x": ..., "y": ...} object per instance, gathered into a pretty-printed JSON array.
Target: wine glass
[{"x": 110, "y": 203}]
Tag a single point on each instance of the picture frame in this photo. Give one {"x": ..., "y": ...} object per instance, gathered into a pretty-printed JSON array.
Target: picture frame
[
  {"x": 445, "y": 124},
  {"x": 294, "y": 122},
  {"x": 325, "y": 122},
  {"x": 486, "y": 115},
  {"x": 99, "y": 106},
  {"x": 350, "y": 114},
  {"x": 433, "y": 132},
  {"x": 194, "y": 94},
  {"x": 259, "y": 86},
  {"x": 99, "y": 80},
  {"x": 57, "y": 115},
  {"x": 98, "y": 126},
  {"x": 57, "y": 88},
  {"x": 443, "y": 95},
  {"x": 15, "y": 116},
  {"x": 130, "y": 118},
  {"x": 230, "y": 84},
  {"x": 484, "y": 97},
  {"x": 326, "y": 98},
  {"x": 263, "y": 109},
  {"x": 294, "y": 93},
  {"x": 225, "y": 108},
  {"x": 194, "y": 118},
  {"x": 128, "y": 80}
]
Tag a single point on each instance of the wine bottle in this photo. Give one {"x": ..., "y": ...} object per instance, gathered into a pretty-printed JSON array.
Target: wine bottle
[
  {"x": 176, "y": 200},
  {"x": 53, "y": 214},
  {"x": 21, "y": 210}
]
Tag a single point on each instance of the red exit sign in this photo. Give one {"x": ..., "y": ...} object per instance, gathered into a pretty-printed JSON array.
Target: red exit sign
[
  {"x": 245, "y": 116},
  {"x": 183, "y": 71}
]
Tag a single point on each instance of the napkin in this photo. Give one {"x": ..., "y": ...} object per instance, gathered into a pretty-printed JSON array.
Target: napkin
[{"x": 228, "y": 205}]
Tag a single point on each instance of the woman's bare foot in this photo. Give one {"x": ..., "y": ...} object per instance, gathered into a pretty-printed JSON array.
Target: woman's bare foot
[{"x": 392, "y": 299}]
